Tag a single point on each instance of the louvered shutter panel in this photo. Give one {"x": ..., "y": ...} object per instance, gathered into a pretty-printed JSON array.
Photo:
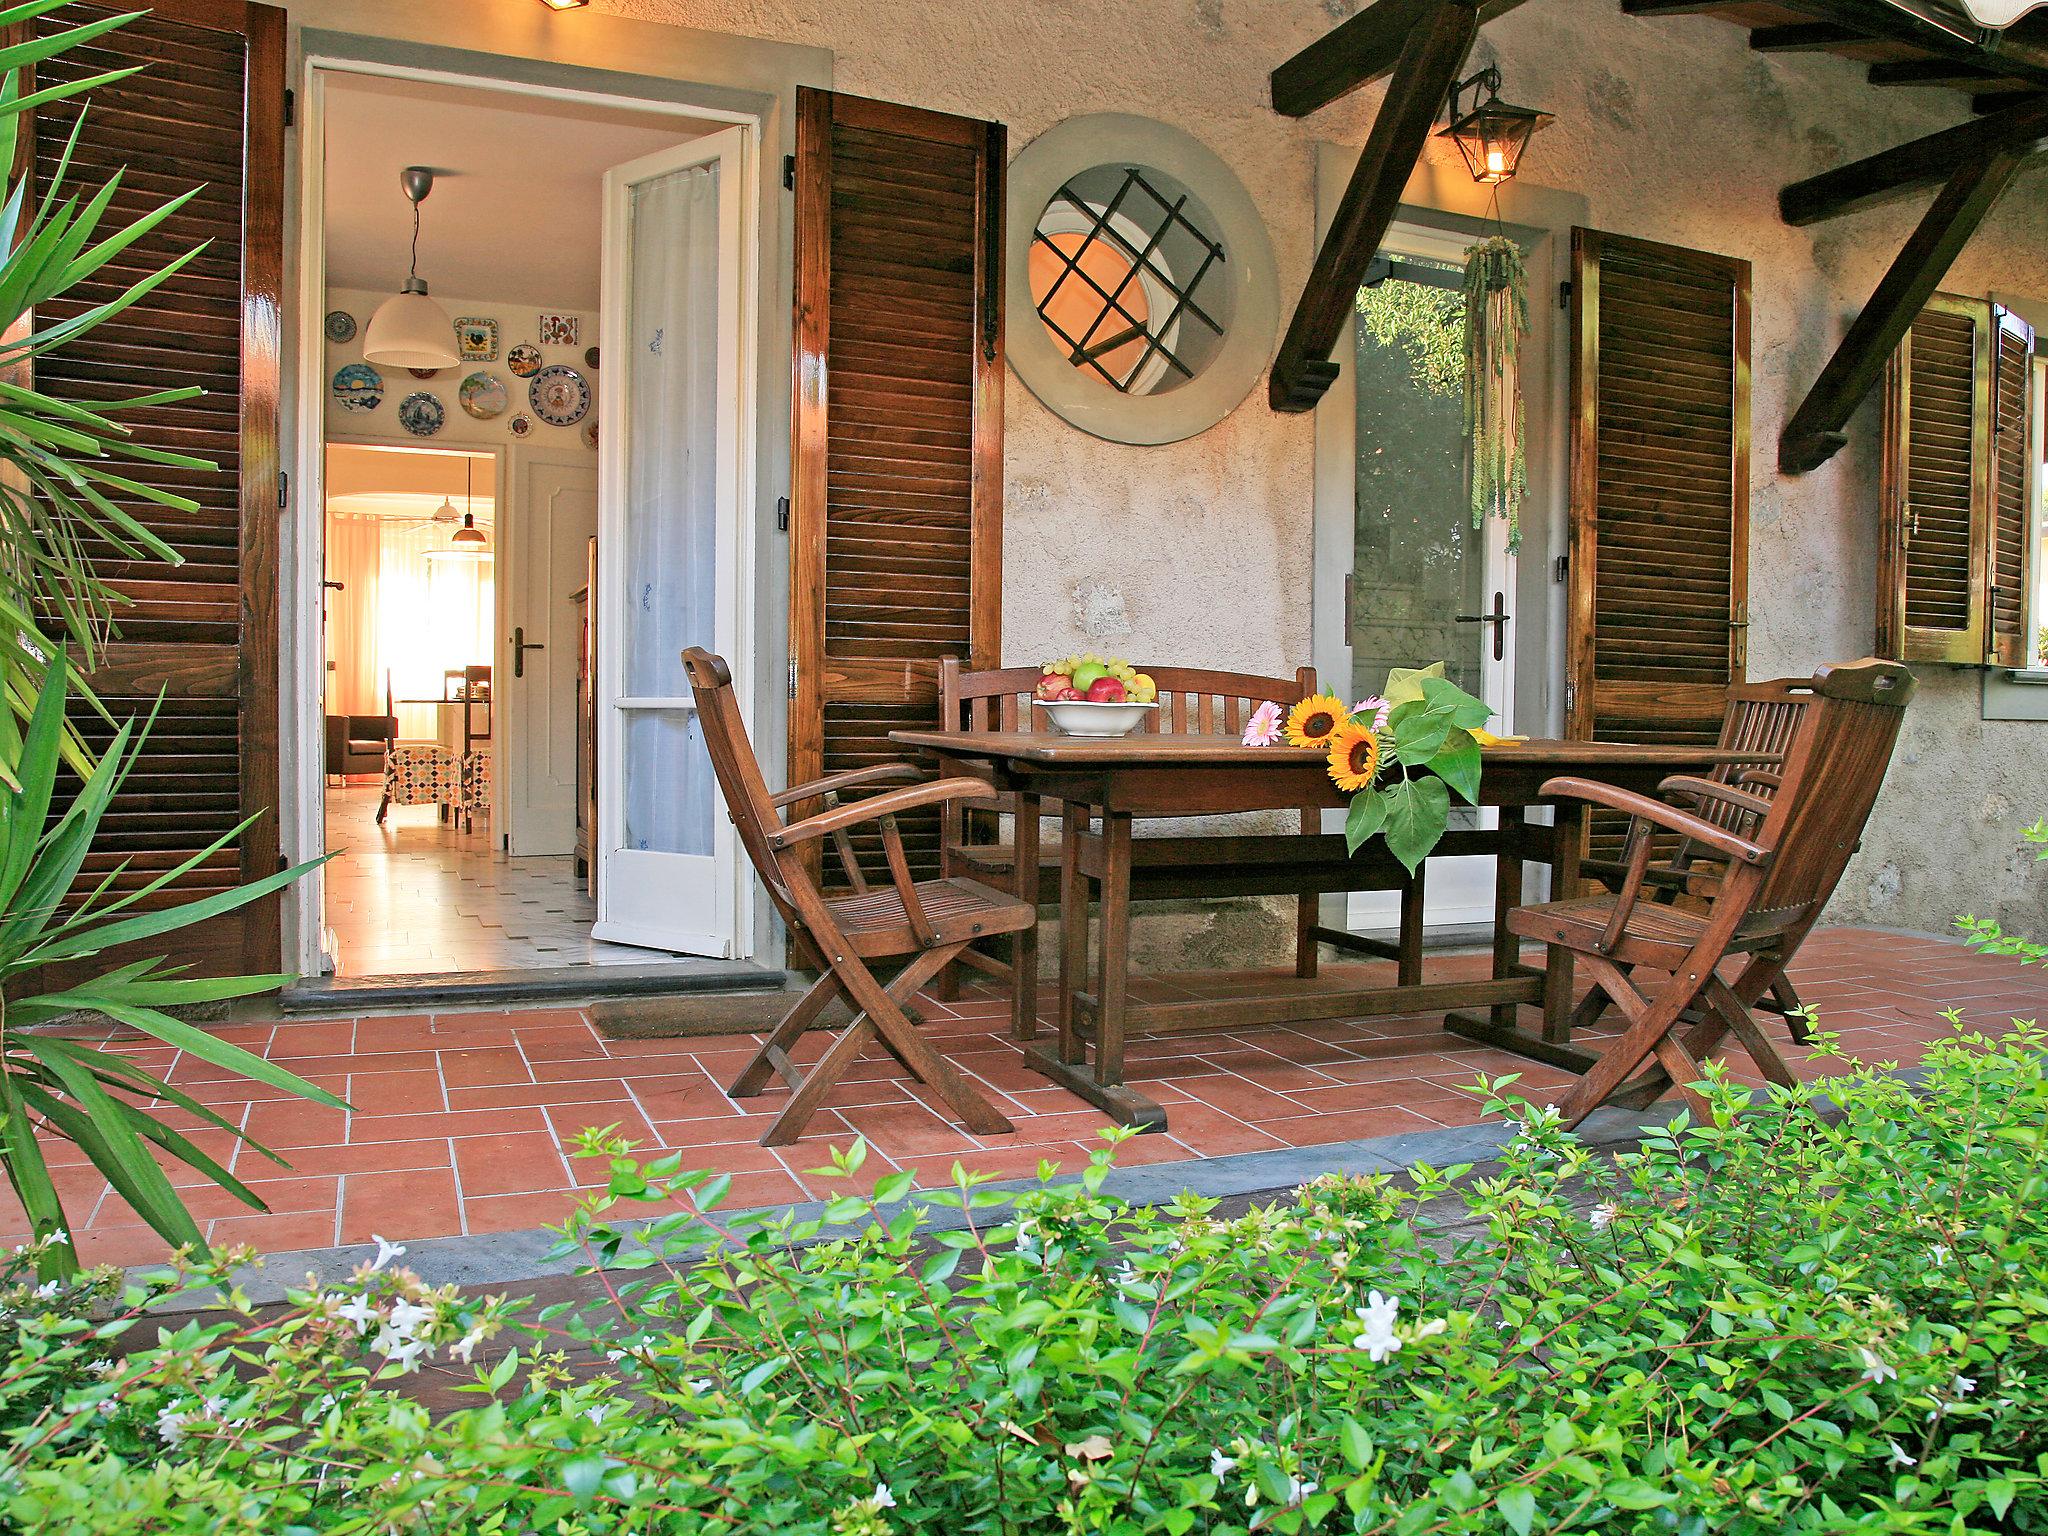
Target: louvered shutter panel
[
  {"x": 2015, "y": 497},
  {"x": 1659, "y": 563},
  {"x": 1932, "y": 572},
  {"x": 896, "y": 536},
  {"x": 208, "y": 108}
]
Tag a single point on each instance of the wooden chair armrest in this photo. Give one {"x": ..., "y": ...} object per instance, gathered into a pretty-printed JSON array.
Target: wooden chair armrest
[
  {"x": 1657, "y": 813},
  {"x": 852, "y": 778},
  {"x": 1710, "y": 789},
  {"x": 875, "y": 807},
  {"x": 1764, "y": 776}
]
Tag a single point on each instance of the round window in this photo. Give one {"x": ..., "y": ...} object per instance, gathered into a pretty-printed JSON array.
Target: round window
[{"x": 1148, "y": 276}]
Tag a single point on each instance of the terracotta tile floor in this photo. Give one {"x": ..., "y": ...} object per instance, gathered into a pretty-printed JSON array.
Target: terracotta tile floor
[{"x": 459, "y": 1119}]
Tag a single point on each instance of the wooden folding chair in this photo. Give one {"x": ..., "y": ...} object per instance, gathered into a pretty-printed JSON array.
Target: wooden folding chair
[
  {"x": 1759, "y": 718},
  {"x": 1658, "y": 963},
  {"x": 924, "y": 924}
]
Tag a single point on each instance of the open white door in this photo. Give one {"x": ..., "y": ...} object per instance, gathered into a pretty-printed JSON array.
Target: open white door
[{"x": 669, "y": 545}]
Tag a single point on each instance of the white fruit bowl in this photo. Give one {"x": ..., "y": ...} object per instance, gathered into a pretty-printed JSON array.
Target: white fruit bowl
[{"x": 1079, "y": 717}]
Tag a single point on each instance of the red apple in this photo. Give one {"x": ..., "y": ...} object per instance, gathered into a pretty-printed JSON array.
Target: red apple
[
  {"x": 1069, "y": 696},
  {"x": 1105, "y": 690},
  {"x": 1051, "y": 685}
]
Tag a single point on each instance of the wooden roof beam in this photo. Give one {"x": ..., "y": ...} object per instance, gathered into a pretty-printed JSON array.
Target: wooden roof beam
[
  {"x": 1357, "y": 53},
  {"x": 1674, "y": 7},
  {"x": 1804, "y": 37},
  {"x": 1998, "y": 101},
  {"x": 1946, "y": 72},
  {"x": 1815, "y": 432},
  {"x": 2021, "y": 129},
  {"x": 1431, "y": 55}
]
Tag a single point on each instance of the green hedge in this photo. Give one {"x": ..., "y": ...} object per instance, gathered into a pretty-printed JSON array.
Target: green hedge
[{"x": 1779, "y": 1321}]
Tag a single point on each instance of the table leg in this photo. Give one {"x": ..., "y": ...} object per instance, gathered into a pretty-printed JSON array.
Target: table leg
[
  {"x": 1073, "y": 928},
  {"x": 1113, "y": 961},
  {"x": 1507, "y": 895},
  {"x": 1024, "y": 944},
  {"x": 1567, "y": 838}
]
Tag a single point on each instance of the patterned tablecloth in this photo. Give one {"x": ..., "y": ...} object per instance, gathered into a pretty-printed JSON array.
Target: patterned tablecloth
[{"x": 423, "y": 773}]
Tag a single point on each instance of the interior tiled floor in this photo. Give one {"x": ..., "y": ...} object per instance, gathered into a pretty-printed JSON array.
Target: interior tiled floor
[
  {"x": 460, "y": 1119},
  {"x": 419, "y": 896}
]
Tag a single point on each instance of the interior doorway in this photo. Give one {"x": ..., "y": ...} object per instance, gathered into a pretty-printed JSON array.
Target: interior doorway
[{"x": 475, "y": 789}]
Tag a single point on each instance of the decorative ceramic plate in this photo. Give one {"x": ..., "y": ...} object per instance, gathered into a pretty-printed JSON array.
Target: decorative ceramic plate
[
  {"x": 559, "y": 396},
  {"x": 358, "y": 387},
  {"x": 524, "y": 360},
  {"x": 590, "y": 358},
  {"x": 590, "y": 433},
  {"x": 521, "y": 425},
  {"x": 421, "y": 414},
  {"x": 483, "y": 395},
  {"x": 341, "y": 325},
  {"x": 476, "y": 339}
]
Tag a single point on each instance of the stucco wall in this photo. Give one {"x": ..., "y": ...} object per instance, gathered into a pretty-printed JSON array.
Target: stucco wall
[{"x": 1674, "y": 131}]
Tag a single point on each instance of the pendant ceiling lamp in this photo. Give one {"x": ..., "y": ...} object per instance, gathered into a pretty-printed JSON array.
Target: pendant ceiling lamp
[
  {"x": 470, "y": 542},
  {"x": 409, "y": 330}
]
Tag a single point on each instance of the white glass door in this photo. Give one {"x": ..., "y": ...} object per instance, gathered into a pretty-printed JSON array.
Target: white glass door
[
  {"x": 668, "y": 539},
  {"x": 1422, "y": 584}
]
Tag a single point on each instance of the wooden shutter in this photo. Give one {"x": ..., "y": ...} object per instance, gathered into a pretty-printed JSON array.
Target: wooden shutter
[
  {"x": 896, "y": 525},
  {"x": 2015, "y": 497},
  {"x": 208, "y": 108},
  {"x": 1659, "y": 567},
  {"x": 1932, "y": 573}
]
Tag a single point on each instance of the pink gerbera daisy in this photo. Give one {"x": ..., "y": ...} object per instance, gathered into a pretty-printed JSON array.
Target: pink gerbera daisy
[
  {"x": 1263, "y": 730},
  {"x": 1377, "y": 707}
]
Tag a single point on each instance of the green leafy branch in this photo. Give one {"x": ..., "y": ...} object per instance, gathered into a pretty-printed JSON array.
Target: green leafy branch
[{"x": 1427, "y": 752}]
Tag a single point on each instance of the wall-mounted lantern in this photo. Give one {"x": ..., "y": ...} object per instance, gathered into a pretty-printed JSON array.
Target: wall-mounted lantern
[{"x": 1490, "y": 133}]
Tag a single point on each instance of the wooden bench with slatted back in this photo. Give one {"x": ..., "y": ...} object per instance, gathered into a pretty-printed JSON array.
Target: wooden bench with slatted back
[{"x": 1192, "y": 701}]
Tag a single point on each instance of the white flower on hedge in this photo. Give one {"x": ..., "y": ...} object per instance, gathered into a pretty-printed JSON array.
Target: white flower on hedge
[
  {"x": 1875, "y": 1370},
  {"x": 1963, "y": 1386},
  {"x": 170, "y": 1425},
  {"x": 1938, "y": 1254},
  {"x": 1898, "y": 1457},
  {"x": 361, "y": 1311},
  {"x": 881, "y": 1498},
  {"x": 702, "y": 1385},
  {"x": 408, "y": 1317},
  {"x": 596, "y": 1412},
  {"x": 465, "y": 1346},
  {"x": 48, "y": 1289},
  {"x": 398, "y": 1348},
  {"x": 1601, "y": 1217},
  {"x": 1377, "y": 1339},
  {"x": 386, "y": 1251},
  {"x": 1220, "y": 1464},
  {"x": 60, "y": 1236}
]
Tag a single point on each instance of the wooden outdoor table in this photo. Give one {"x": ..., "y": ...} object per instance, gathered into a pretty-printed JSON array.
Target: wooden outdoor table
[{"x": 1112, "y": 781}]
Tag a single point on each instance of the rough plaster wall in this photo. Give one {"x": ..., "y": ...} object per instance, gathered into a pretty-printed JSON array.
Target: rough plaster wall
[{"x": 1675, "y": 131}]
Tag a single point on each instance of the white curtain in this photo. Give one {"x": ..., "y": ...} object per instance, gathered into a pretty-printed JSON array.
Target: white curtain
[
  {"x": 409, "y": 619},
  {"x": 671, "y": 448},
  {"x": 355, "y": 685}
]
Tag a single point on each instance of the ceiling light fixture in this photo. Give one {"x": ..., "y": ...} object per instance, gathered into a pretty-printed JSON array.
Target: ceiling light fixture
[
  {"x": 565, "y": 5},
  {"x": 409, "y": 330},
  {"x": 470, "y": 542}
]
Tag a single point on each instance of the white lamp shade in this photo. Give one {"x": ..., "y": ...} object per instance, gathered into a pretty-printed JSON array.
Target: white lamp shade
[
  {"x": 410, "y": 330},
  {"x": 1998, "y": 13}
]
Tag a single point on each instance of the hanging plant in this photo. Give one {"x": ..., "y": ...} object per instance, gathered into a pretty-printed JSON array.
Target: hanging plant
[{"x": 1496, "y": 320}]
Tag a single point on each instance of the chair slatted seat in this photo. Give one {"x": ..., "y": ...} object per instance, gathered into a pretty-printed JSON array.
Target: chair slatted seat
[
  {"x": 1658, "y": 963},
  {"x": 924, "y": 924}
]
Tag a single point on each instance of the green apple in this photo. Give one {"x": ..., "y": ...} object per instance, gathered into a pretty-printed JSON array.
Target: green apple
[{"x": 1087, "y": 672}]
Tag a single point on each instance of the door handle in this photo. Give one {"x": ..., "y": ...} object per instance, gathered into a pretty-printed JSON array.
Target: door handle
[
  {"x": 1498, "y": 619},
  {"x": 520, "y": 646}
]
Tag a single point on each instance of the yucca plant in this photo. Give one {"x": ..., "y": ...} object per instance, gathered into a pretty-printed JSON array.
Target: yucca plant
[
  {"x": 61, "y": 470},
  {"x": 98, "y": 1099}
]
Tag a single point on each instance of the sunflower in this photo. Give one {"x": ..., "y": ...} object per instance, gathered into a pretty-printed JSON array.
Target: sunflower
[
  {"x": 1313, "y": 721},
  {"x": 1354, "y": 756}
]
